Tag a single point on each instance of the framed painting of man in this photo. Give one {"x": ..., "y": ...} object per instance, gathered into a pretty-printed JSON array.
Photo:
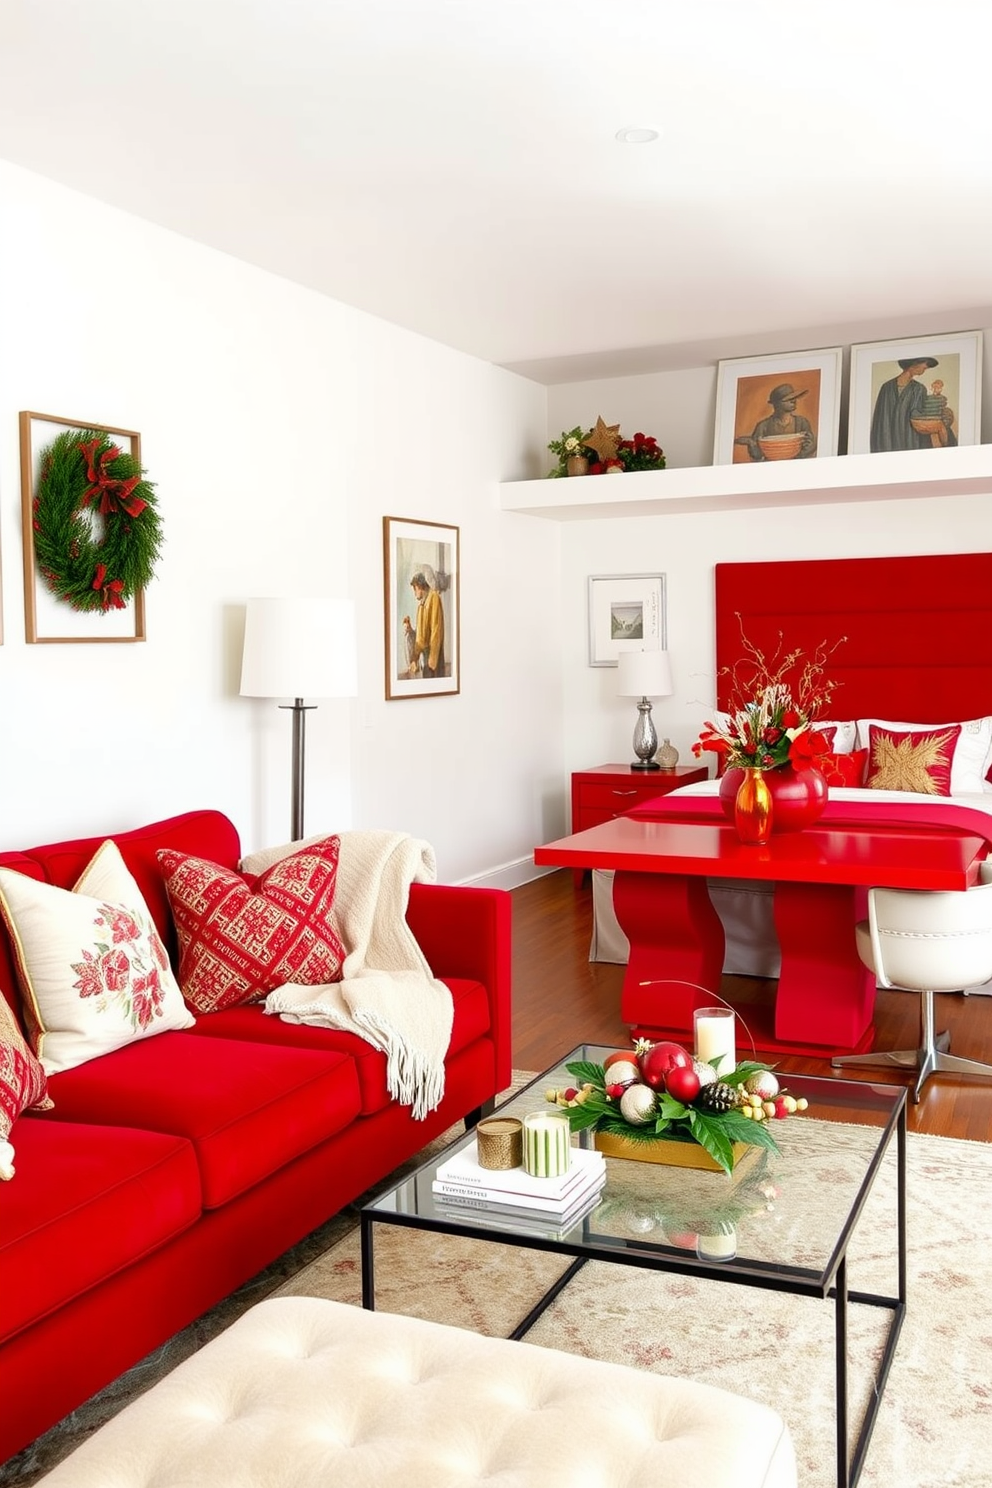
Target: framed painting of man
[
  {"x": 781, "y": 407},
  {"x": 921, "y": 392},
  {"x": 422, "y": 630}
]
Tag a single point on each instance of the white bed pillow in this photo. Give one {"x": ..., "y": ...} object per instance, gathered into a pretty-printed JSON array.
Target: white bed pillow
[
  {"x": 93, "y": 972},
  {"x": 972, "y": 753},
  {"x": 845, "y": 734}
]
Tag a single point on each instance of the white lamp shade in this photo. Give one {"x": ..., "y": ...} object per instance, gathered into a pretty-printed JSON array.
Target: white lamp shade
[
  {"x": 644, "y": 674},
  {"x": 299, "y": 648}
]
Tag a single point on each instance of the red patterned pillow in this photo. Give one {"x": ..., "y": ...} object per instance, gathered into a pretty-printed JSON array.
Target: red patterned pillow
[
  {"x": 23, "y": 1083},
  {"x": 919, "y": 761},
  {"x": 843, "y": 769},
  {"x": 239, "y": 939}
]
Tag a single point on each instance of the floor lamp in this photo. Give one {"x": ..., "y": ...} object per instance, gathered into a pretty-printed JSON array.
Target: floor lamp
[{"x": 299, "y": 648}]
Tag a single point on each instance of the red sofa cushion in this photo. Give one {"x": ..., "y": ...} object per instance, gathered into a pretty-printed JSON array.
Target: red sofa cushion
[
  {"x": 240, "y": 939},
  {"x": 471, "y": 1021},
  {"x": 210, "y": 834},
  {"x": 88, "y": 1201},
  {"x": 248, "y": 1109}
]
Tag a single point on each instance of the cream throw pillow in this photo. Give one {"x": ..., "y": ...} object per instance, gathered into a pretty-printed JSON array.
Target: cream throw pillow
[{"x": 93, "y": 971}]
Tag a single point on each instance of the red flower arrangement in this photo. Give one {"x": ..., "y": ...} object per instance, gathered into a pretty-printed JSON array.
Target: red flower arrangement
[
  {"x": 643, "y": 452},
  {"x": 770, "y": 720}
]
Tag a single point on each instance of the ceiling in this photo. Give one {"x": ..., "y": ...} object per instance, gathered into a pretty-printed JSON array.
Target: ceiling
[{"x": 453, "y": 166}]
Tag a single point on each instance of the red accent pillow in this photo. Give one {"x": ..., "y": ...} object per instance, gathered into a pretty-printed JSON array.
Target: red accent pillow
[
  {"x": 919, "y": 761},
  {"x": 23, "y": 1083},
  {"x": 843, "y": 769},
  {"x": 239, "y": 939}
]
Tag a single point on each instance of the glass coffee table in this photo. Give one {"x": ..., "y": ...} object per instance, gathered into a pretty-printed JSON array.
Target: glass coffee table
[{"x": 780, "y": 1222}]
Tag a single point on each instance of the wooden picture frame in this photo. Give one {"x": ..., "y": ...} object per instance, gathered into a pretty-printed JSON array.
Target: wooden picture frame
[
  {"x": 752, "y": 426},
  {"x": 422, "y": 623},
  {"x": 48, "y": 620},
  {"x": 626, "y": 613},
  {"x": 937, "y": 406}
]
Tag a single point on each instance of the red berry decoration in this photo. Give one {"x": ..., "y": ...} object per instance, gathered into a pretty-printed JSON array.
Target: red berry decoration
[
  {"x": 683, "y": 1083},
  {"x": 656, "y": 1062}
]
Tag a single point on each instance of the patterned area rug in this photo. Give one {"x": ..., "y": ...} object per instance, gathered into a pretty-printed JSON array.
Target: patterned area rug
[{"x": 936, "y": 1414}]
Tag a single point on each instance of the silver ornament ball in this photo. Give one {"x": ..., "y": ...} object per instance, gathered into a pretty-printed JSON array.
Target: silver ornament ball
[{"x": 637, "y": 1104}]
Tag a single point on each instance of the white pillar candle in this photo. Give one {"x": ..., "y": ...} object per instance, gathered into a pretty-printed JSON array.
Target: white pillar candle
[
  {"x": 715, "y": 1036},
  {"x": 547, "y": 1145},
  {"x": 717, "y": 1247}
]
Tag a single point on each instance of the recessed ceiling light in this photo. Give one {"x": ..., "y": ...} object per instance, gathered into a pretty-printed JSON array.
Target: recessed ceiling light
[{"x": 636, "y": 136}]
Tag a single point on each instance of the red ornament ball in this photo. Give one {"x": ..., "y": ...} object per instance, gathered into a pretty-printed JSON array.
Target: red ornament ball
[
  {"x": 683, "y": 1083},
  {"x": 656, "y": 1062}
]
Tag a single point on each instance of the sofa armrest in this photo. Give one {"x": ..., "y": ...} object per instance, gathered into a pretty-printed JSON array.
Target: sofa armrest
[{"x": 465, "y": 932}]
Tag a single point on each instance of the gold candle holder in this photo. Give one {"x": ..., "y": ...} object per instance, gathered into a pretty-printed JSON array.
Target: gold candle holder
[{"x": 499, "y": 1142}]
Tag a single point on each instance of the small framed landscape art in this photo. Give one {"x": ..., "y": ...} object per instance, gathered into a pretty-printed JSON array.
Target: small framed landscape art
[
  {"x": 922, "y": 392},
  {"x": 420, "y": 581},
  {"x": 626, "y": 613},
  {"x": 782, "y": 407}
]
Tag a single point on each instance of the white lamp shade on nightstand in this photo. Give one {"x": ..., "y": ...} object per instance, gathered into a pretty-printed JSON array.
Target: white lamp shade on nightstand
[
  {"x": 298, "y": 648},
  {"x": 644, "y": 674}
]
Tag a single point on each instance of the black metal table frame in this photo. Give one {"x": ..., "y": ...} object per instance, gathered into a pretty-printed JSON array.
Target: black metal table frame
[{"x": 832, "y": 1283}]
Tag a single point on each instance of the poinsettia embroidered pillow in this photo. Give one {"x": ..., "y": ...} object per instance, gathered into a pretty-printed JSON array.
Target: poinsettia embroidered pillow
[
  {"x": 915, "y": 761},
  {"x": 23, "y": 1084},
  {"x": 239, "y": 940},
  {"x": 93, "y": 972}
]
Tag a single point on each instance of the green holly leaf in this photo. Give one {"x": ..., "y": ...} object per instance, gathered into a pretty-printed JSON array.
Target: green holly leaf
[
  {"x": 670, "y": 1108},
  {"x": 710, "y": 1134},
  {"x": 587, "y": 1073},
  {"x": 744, "y": 1072}
]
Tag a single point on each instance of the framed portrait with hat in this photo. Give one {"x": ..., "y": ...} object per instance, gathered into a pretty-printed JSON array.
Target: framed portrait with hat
[
  {"x": 782, "y": 407},
  {"x": 923, "y": 392}
]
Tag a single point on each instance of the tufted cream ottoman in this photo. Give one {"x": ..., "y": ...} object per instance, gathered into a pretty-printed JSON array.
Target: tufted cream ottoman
[{"x": 301, "y": 1392}]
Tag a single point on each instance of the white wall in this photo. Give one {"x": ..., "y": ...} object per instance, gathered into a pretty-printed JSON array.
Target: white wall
[{"x": 279, "y": 427}]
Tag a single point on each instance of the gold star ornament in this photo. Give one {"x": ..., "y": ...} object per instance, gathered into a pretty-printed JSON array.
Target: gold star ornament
[{"x": 604, "y": 439}]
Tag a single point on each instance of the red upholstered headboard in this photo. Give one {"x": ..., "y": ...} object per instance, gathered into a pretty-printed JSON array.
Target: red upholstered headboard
[{"x": 919, "y": 630}]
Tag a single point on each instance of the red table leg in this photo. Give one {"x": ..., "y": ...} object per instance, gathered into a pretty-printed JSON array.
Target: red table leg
[
  {"x": 675, "y": 938},
  {"x": 825, "y": 995}
]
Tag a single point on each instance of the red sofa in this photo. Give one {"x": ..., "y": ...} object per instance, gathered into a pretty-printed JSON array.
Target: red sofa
[{"x": 173, "y": 1169}]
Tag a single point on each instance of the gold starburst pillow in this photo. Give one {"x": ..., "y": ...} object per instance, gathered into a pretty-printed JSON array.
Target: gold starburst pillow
[{"x": 918, "y": 761}]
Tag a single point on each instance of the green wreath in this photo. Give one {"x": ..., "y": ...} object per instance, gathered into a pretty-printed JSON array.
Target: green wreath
[{"x": 97, "y": 533}]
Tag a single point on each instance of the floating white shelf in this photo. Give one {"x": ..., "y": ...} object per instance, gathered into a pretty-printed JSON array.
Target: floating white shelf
[{"x": 903, "y": 475}]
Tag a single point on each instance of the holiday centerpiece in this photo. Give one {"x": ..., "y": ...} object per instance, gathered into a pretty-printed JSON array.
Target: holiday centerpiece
[
  {"x": 659, "y": 1103},
  {"x": 602, "y": 450},
  {"x": 95, "y": 527},
  {"x": 768, "y": 742}
]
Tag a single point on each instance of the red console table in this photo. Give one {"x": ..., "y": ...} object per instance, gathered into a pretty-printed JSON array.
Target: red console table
[{"x": 825, "y": 997}]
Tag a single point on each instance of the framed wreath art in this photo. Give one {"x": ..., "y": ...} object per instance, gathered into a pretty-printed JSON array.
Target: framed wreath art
[{"x": 92, "y": 531}]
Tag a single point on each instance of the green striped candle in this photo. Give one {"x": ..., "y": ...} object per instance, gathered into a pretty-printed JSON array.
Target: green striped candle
[{"x": 547, "y": 1145}]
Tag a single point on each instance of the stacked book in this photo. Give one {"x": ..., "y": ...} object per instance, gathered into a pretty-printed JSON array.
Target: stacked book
[{"x": 464, "y": 1186}]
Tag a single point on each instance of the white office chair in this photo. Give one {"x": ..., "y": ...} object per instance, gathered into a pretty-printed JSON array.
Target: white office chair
[{"x": 927, "y": 942}]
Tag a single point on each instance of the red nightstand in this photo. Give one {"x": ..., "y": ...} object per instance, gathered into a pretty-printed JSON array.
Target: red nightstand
[{"x": 606, "y": 791}]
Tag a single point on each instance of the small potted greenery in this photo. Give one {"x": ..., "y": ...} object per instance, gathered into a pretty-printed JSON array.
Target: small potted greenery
[{"x": 573, "y": 454}]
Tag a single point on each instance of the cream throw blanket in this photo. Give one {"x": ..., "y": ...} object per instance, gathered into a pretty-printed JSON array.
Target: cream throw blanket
[{"x": 388, "y": 994}]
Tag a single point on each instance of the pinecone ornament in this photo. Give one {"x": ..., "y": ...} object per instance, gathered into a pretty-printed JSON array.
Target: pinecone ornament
[{"x": 718, "y": 1097}]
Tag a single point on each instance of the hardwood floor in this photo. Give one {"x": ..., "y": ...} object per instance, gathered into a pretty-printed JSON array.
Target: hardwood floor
[{"x": 561, "y": 999}]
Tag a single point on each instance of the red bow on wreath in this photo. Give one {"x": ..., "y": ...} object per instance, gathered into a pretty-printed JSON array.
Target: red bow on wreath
[
  {"x": 110, "y": 591},
  {"x": 111, "y": 492}
]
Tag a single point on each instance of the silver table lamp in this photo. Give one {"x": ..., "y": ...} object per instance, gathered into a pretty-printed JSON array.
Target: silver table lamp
[
  {"x": 299, "y": 648},
  {"x": 644, "y": 675}
]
